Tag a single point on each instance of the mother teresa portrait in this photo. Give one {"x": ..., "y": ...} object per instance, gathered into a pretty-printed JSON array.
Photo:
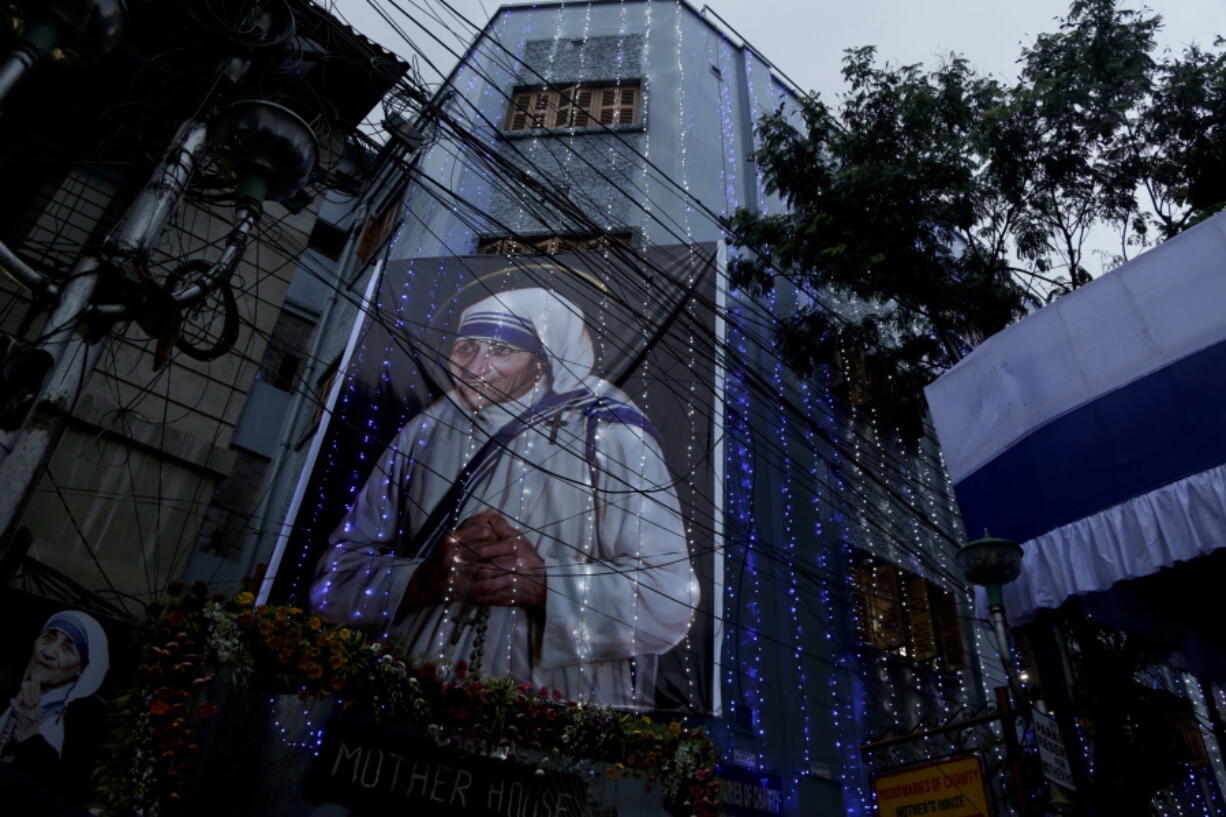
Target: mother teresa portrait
[
  {"x": 54, "y": 726},
  {"x": 525, "y": 522}
]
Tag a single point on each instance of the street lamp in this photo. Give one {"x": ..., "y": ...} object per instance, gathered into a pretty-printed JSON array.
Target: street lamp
[
  {"x": 992, "y": 563},
  {"x": 82, "y": 31}
]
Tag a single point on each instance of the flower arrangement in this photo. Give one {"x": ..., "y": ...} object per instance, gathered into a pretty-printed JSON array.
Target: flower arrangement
[{"x": 194, "y": 640}]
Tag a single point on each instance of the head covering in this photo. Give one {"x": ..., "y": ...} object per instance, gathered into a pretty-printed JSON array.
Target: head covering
[
  {"x": 539, "y": 321},
  {"x": 71, "y": 627},
  {"x": 90, "y": 640}
]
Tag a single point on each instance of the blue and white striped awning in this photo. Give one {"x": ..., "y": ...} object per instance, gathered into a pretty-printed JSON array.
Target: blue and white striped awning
[{"x": 1094, "y": 431}]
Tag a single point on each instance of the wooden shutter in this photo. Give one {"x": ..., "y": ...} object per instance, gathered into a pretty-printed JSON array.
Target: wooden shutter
[
  {"x": 377, "y": 229},
  {"x": 948, "y": 628},
  {"x": 617, "y": 106},
  {"x": 1190, "y": 739},
  {"x": 583, "y": 108},
  {"x": 880, "y": 603},
  {"x": 564, "y": 116},
  {"x": 607, "y": 110},
  {"x": 628, "y": 105},
  {"x": 520, "y": 106},
  {"x": 921, "y": 635},
  {"x": 542, "y": 101}
]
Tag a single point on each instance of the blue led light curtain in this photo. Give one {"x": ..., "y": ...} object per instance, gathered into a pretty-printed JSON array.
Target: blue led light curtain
[{"x": 519, "y": 473}]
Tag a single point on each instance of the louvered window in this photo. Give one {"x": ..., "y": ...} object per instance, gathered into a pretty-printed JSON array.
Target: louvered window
[
  {"x": 578, "y": 106},
  {"x": 908, "y": 615},
  {"x": 618, "y": 106}
]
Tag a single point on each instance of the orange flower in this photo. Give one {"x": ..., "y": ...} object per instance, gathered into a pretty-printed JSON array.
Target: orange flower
[{"x": 158, "y": 707}]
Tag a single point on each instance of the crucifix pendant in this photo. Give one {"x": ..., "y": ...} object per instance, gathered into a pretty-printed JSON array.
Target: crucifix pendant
[{"x": 554, "y": 424}]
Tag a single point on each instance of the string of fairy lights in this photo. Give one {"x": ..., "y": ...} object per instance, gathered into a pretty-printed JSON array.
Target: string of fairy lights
[
  {"x": 801, "y": 416},
  {"x": 645, "y": 102},
  {"x": 759, "y": 427},
  {"x": 461, "y": 236},
  {"x": 487, "y": 122}
]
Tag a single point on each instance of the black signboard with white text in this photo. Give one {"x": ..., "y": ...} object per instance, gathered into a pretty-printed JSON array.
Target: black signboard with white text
[{"x": 374, "y": 771}]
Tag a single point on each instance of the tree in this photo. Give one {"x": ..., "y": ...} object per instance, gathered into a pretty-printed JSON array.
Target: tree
[{"x": 930, "y": 209}]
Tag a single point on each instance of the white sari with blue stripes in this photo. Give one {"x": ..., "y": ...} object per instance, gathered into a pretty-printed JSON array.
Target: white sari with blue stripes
[{"x": 585, "y": 481}]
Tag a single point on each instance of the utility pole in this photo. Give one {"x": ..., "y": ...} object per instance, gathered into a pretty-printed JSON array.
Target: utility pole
[
  {"x": 73, "y": 344},
  {"x": 267, "y": 150}
]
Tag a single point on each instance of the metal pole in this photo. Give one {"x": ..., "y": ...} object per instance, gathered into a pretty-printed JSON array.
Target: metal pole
[
  {"x": 1013, "y": 750},
  {"x": 39, "y": 38},
  {"x": 27, "y": 452},
  {"x": 143, "y": 222},
  {"x": 996, "y": 614},
  {"x": 24, "y": 274}
]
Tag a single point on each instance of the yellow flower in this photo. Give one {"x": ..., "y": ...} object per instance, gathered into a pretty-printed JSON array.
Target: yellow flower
[{"x": 245, "y": 599}]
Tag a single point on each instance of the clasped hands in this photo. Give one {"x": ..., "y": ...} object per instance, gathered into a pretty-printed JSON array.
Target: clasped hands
[{"x": 485, "y": 562}]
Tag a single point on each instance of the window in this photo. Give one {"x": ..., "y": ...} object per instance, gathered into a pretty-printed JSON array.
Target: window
[
  {"x": 327, "y": 239},
  {"x": 323, "y": 387},
  {"x": 579, "y": 106},
  {"x": 906, "y": 614},
  {"x": 868, "y": 381},
  {"x": 552, "y": 244},
  {"x": 378, "y": 227}
]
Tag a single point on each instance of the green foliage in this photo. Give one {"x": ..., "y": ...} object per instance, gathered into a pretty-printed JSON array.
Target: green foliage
[
  {"x": 931, "y": 208},
  {"x": 1132, "y": 726},
  {"x": 193, "y": 642}
]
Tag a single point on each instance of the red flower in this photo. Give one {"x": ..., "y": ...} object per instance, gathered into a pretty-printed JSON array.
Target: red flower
[
  {"x": 208, "y": 709},
  {"x": 461, "y": 669},
  {"x": 176, "y": 619},
  {"x": 158, "y": 707}
]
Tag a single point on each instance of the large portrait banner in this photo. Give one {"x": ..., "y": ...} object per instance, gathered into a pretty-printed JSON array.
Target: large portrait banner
[{"x": 520, "y": 471}]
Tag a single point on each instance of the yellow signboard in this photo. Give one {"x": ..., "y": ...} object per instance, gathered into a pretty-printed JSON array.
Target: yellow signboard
[{"x": 947, "y": 788}]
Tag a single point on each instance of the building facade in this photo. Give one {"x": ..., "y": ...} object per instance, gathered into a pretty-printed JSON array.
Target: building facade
[{"x": 606, "y": 128}]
